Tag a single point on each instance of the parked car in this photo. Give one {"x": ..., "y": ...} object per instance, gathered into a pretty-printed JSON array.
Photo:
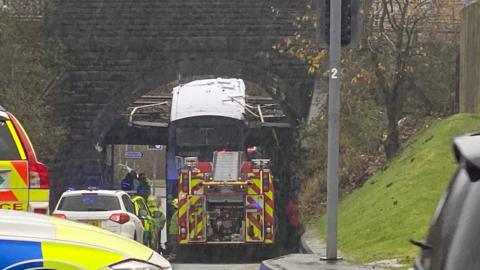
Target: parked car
[
  {"x": 150, "y": 236},
  {"x": 32, "y": 241},
  {"x": 24, "y": 183},
  {"x": 453, "y": 239},
  {"x": 111, "y": 210}
]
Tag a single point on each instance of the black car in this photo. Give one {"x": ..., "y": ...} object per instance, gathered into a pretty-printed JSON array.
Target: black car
[{"x": 453, "y": 240}]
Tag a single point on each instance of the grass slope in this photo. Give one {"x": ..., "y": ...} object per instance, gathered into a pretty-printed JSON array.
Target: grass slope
[{"x": 377, "y": 220}]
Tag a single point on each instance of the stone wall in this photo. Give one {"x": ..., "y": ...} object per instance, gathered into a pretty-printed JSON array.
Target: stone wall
[{"x": 122, "y": 49}]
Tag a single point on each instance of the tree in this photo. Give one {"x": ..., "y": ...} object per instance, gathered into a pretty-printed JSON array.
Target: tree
[
  {"x": 397, "y": 55},
  {"x": 398, "y": 76},
  {"x": 30, "y": 70},
  {"x": 394, "y": 44}
]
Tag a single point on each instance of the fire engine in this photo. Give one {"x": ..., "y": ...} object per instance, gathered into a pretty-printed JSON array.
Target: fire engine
[{"x": 225, "y": 193}]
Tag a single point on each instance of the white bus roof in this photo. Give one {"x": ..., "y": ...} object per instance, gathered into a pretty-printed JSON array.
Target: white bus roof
[{"x": 211, "y": 97}]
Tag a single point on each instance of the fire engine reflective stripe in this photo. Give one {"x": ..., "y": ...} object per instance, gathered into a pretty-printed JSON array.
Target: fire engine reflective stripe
[
  {"x": 16, "y": 251},
  {"x": 269, "y": 203},
  {"x": 81, "y": 255},
  {"x": 255, "y": 188},
  {"x": 182, "y": 209},
  {"x": 17, "y": 141},
  {"x": 196, "y": 186},
  {"x": 39, "y": 195},
  {"x": 254, "y": 218},
  {"x": 196, "y": 218},
  {"x": 182, "y": 202},
  {"x": 269, "y": 210}
]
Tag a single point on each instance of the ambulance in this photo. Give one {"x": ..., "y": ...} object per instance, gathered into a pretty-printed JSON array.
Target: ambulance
[{"x": 24, "y": 182}]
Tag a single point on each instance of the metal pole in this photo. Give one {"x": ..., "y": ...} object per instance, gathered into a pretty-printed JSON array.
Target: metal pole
[{"x": 333, "y": 127}]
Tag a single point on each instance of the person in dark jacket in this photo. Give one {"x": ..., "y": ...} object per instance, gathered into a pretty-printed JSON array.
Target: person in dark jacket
[{"x": 294, "y": 227}]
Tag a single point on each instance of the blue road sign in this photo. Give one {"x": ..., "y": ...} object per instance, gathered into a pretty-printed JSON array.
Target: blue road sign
[{"x": 133, "y": 154}]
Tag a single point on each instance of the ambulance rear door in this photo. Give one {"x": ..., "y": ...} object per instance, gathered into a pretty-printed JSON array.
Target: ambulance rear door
[{"x": 13, "y": 168}]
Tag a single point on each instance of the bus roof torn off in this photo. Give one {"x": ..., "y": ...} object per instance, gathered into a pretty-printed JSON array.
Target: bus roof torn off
[{"x": 212, "y": 97}]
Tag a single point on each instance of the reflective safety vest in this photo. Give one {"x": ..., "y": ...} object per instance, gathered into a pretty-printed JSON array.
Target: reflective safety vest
[{"x": 173, "y": 229}]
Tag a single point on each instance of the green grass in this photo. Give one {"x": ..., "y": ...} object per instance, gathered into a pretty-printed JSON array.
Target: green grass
[{"x": 377, "y": 220}]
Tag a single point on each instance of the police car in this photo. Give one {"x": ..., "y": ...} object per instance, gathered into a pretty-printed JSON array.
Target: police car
[
  {"x": 24, "y": 182},
  {"x": 111, "y": 210},
  {"x": 32, "y": 241}
]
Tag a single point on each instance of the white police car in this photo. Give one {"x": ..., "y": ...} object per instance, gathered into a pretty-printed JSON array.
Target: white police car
[
  {"x": 111, "y": 210},
  {"x": 33, "y": 241}
]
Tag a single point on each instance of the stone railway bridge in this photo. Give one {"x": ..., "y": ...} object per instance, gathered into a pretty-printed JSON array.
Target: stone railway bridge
[{"x": 120, "y": 50}]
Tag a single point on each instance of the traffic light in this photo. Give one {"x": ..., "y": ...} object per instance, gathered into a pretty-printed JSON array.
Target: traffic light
[{"x": 350, "y": 21}]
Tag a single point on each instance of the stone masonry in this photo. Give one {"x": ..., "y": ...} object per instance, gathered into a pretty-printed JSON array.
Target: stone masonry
[{"x": 121, "y": 49}]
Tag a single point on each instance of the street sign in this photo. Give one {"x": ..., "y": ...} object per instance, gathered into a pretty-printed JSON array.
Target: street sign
[
  {"x": 156, "y": 147},
  {"x": 133, "y": 154}
]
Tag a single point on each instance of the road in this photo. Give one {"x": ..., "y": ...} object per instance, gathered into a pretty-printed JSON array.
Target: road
[{"x": 216, "y": 266}]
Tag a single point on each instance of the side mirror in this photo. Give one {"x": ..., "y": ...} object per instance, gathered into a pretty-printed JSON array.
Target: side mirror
[
  {"x": 143, "y": 213},
  {"x": 157, "y": 214}
]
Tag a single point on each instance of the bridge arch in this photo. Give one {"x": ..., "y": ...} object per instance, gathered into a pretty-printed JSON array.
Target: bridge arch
[{"x": 196, "y": 68}]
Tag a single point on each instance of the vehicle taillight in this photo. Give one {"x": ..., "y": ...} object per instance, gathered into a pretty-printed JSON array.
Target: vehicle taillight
[
  {"x": 120, "y": 218},
  {"x": 60, "y": 216},
  {"x": 185, "y": 186},
  {"x": 183, "y": 231},
  {"x": 42, "y": 211},
  {"x": 38, "y": 175},
  {"x": 266, "y": 187}
]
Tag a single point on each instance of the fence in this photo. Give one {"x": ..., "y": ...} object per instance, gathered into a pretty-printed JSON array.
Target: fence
[{"x": 470, "y": 59}]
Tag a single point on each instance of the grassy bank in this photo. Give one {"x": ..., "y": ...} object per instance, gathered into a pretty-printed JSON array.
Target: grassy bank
[{"x": 395, "y": 205}]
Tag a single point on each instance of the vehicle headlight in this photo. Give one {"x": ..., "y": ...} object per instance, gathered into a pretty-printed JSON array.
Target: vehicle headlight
[{"x": 136, "y": 265}]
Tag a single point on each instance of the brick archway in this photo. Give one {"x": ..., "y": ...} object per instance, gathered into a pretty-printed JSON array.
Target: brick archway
[{"x": 272, "y": 83}]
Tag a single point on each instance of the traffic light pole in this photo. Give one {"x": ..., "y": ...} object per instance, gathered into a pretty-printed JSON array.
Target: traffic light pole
[{"x": 333, "y": 127}]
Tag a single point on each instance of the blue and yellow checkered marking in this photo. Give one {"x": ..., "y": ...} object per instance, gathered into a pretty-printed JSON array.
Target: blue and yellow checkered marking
[{"x": 15, "y": 252}]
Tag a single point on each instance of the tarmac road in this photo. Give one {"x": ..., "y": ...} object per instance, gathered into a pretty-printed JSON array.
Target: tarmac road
[{"x": 216, "y": 266}]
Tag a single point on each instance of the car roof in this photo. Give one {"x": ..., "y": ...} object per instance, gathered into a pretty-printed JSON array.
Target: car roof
[{"x": 86, "y": 191}]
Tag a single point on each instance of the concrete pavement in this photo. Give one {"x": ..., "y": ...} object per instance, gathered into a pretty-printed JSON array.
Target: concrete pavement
[
  {"x": 186, "y": 266},
  {"x": 315, "y": 249},
  {"x": 309, "y": 262}
]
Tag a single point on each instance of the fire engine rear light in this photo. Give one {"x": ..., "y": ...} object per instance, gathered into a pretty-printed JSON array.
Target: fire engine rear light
[
  {"x": 265, "y": 185},
  {"x": 268, "y": 230},
  {"x": 183, "y": 230},
  {"x": 42, "y": 211},
  {"x": 120, "y": 218},
  {"x": 38, "y": 175},
  {"x": 60, "y": 216}
]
